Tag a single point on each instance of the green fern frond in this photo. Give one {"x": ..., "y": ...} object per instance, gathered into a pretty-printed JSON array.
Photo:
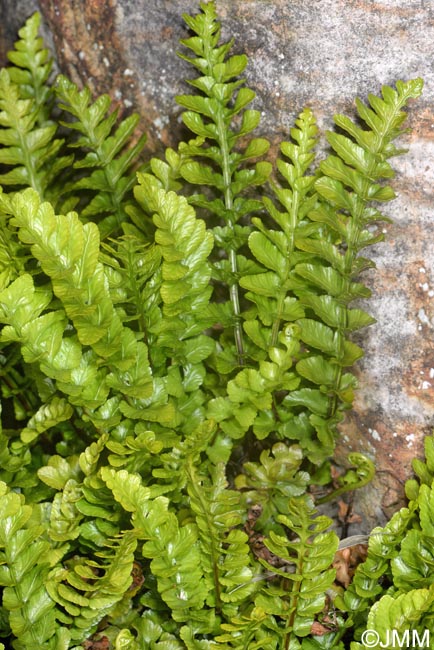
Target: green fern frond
[
  {"x": 31, "y": 68},
  {"x": 29, "y": 150},
  {"x": 288, "y": 605},
  {"x": 224, "y": 550},
  {"x": 218, "y": 114},
  {"x": 250, "y": 395},
  {"x": 110, "y": 154},
  {"x": 310, "y": 554},
  {"x": 183, "y": 244},
  {"x": 13, "y": 255},
  {"x": 68, "y": 252},
  {"x": 273, "y": 481},
  {"x": 48, "y": 415},
  {"x": 173, "y": 549},
  {"x": 136, "y": 278},
  {"x": 31, "y": 154},
  {"x": 276, "y": 250},
  {"x": 42, "y": 341},
  {"x": 24, "y": 569},
  {"x": 89, "y": 590}
]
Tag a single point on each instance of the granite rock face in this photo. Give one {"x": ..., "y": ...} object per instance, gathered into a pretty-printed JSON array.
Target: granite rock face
[{"x": 322, "y": 54}]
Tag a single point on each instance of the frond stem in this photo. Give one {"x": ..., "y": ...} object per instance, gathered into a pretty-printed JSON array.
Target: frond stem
[{"x": 228, "y": 198}]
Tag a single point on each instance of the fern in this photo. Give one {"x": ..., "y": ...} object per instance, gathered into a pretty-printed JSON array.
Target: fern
[
  {"x": 401, "y": 556},
  {"x": 27, "y": 131},
  {"x": 288, "y": 609},
  {"x": 174, "y": 365},
  {"x": 210, "y": 115},
  {"x": 24, "y": 573},
  {"x": 225, "y": 552},
  {"x": 107, "y": 156},
  {"x": 32, "y": 66},
  {"x": 310, "y": 264}
]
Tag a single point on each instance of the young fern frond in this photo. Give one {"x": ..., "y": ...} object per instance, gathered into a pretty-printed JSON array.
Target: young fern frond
[
  {"x": 250, "y": 394},
  {"x": 110, "y": 159},
  {"x": 273, "y": 481},
  {"x": 217, "y": 114}
]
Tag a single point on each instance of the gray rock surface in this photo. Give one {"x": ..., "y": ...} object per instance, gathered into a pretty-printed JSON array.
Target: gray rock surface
[{"x": 320, "y": 53}]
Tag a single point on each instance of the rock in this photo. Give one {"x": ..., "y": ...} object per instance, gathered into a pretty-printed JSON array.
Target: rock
[{"x": 320, "y": 54}]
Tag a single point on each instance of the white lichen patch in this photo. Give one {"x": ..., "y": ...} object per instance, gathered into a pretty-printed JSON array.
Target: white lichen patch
[
  {"x": 410, "y": 440},
  {"x": 374, "y": 433},
  {"x": 160, "y": 122}
]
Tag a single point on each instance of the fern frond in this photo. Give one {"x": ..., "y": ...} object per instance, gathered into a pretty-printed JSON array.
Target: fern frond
[
  {"x": 88, "y": 591},
  {"x": 111, "y": 155},
  {"x": 42, "y": 341},
  {"x": 13, "y": 255},
  {"x": 218, "y": 114},
  {"x": 285, "y": 609},
  {"x": 224, "y": 550},
  {"x": 273, "y": 481},
  {"x": 311, "y": 554},
  {"x": 183, "y": 244},
  {"x": 29, "y": 150},
  {"x": 48, "y": 415},
  {"x": 249, "y": 401},
  {"x": 24, "y": 569},
  {"x": 31, "y": 68},
  {"x": 137, "y": 280},
  {"x": 68, "y": 252},
  {"x": 173, "y": 549},
  {"x": 409, "y": 611},
  {"x": 276, "y": 250}
]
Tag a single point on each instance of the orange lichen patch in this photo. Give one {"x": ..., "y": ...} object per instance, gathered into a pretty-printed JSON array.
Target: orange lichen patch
[
  {"x": 87, "y": 42},
  {"x": 91, "y": 51},
  {"x": 421, "y": 123},
  {"x": 388, "y": 8}
]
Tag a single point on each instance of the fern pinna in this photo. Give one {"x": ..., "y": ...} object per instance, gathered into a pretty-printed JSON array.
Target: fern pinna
[{"x": 174, "y": 365}]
